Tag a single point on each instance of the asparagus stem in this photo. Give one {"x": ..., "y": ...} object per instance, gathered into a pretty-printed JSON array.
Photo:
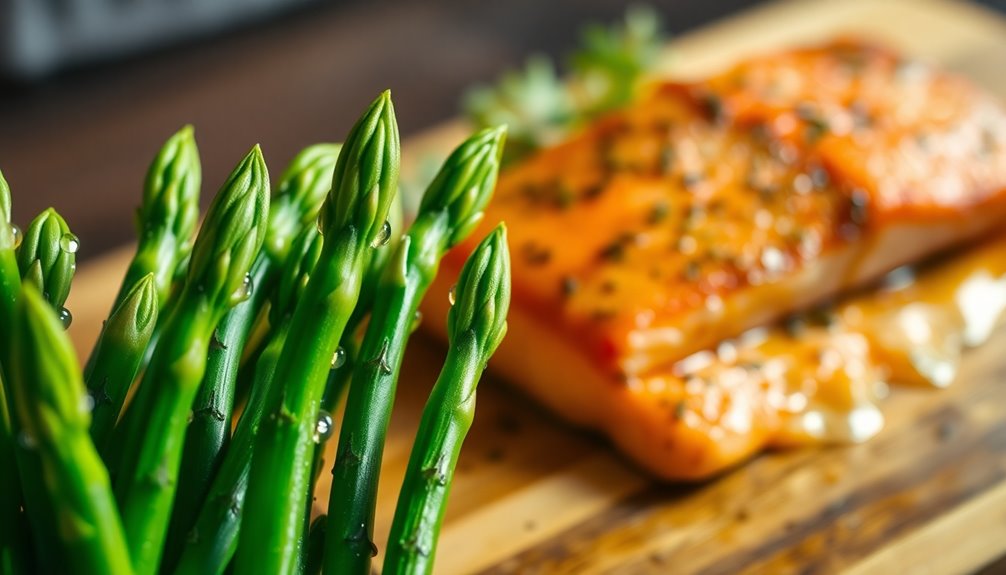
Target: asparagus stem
[
  {"x": 209, "y": 430},
  {"x": 451, "y": 207},
  {"x": 12, "y": 548},
  {"x": 349, "y": 346},
  {"x": 300, "y": 194},
  {"x": 230, "y": 238},
  {"x": 46, "y": 259},
  {"x": 476, "y": 325},
  {"x": 211, "y": 543},
  {"x": 117, "y": 356},
  {"x": 213, "y": 539},
  {"x": 314, "y": 552},
  {"x": 53, "y": 408},
  {"x": 363, "y": 185}
]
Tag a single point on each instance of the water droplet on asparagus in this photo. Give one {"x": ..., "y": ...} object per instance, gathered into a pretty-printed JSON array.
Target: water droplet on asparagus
[
  {"x": 453, "y": 294},
  {"x": 321, "y": 226},
  {"x": 417, "y": 319},
  {"x": 69, "y": 243},
  {"x": 383, "y": 236},
  {"x": 245, "y": 291},
  {"x": 65, "y": 317},
  {"x": 323, "y": 427},
  {"x": 339, "y": 358},
  {"x": 18, "y": 236},
  {"x": 87, "y": 403}
]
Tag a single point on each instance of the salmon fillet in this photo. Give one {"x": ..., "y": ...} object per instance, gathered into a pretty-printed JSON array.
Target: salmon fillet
[{"x": 714, "y": 207}]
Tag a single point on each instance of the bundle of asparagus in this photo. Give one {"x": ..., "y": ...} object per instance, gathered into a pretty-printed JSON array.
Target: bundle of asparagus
[{"x": 271, "y": 298}]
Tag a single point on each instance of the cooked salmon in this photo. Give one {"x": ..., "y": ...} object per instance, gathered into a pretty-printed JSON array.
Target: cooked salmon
[{"x": 714, "y": 207}]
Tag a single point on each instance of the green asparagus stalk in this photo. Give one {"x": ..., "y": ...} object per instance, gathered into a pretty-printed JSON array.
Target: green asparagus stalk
[
  {"x": 117, "y": 356},
  {"x": 167, "y": 217},
  {"x": 230, "y": 238},
  {"x": 10, "y": 284},
  {"x": 301, "y": 191},
  {"x": 314, "y": 553},
  {"x": 14, "y": 553},
  {"x": 12, "y": 549},
  {"x": 342, "y": 369},
  {"x": 211, "y": 543},
  {"x": 378, "y": 260},
  {"x": 353, "y": 220},
  {"x": 52, "y": 405},
  {"x": 476, "y": 325},
  {"x": 165, "y": 223},
  {"x": 452, "y": 206},
  {"x": 47, "y": 257}
]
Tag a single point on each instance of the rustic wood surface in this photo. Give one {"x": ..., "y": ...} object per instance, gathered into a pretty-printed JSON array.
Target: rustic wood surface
[{"x": 535, "y": 496}]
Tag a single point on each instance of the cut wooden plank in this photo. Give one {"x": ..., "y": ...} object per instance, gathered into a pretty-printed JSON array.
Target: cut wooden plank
[{"x": 534, "y": 496}]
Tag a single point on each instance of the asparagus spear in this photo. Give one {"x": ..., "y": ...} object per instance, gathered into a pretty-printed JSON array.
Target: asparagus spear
[
  {"x": 315, "y": 548},
  {"x": 352, "y": 219},
  {"x": 167, "y": 216},
  {"x": 11, "y": 547},
  {"x": 300, "y": 193},
  {"x": 211, "y": 543},
  {"x": 222, "y": 256},
  {"x": 52, "y": 406},
  {"x": 117, "y": 356},
  {"x": 342, "y": 369},
  {"x": 476, "y": 325},
  {"x": 48, "y": 258},
  {"x": 452, "y": 206}
]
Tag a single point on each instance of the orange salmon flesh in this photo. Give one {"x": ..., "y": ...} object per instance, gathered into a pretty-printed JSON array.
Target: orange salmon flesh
[{"x": 647, "y": 248}]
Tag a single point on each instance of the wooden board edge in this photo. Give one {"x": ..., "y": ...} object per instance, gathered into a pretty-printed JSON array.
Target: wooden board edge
[{"x": 967, "y": 537}]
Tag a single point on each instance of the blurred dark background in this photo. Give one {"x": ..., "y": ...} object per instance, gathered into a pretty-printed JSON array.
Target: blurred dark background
[{"x": 78, "y": 134}]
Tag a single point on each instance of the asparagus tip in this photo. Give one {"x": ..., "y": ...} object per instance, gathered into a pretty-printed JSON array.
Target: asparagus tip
[
  {"x": 140, "y": 304},
  {"x": 465, "y": 183},
  {"x": 232, "y": 233},
  {"x": 365, "y": 178},
  {"x": 482, "y": 294},
  {"x": 49, "y": 242}
]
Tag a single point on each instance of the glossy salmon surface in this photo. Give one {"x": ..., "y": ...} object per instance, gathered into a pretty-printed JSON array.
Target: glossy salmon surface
[{"x": 646, "y": 245}]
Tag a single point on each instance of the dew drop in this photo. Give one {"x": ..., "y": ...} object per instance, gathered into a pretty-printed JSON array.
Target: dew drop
[
  {"x": 323, "y": 427},
  {"x": 87, "y": 403},
  {"x": 383, "y": 236},
  {"x": 18, "y": 236},
  {"x": 453, "y": 294},
  {"x": 339, "y": 358},
  {"x": 417, "y": 319},
  {"x": 69, "y": 243},
  {"x": 321, "y": 227},
  {"x": 245, "y": 291},
  {"x": 65, "y": 317}
]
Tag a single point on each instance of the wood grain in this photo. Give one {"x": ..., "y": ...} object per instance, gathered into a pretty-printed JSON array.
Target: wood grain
[{"x": 534, "y": 496}]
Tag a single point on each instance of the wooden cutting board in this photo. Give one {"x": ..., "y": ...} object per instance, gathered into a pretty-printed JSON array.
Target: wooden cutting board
[{"x": 533, "y": 495}]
